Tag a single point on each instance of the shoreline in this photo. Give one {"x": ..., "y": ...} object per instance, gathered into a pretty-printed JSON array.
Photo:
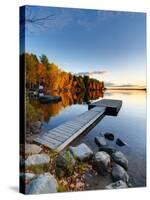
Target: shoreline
[{"x": 143, "y": 89}]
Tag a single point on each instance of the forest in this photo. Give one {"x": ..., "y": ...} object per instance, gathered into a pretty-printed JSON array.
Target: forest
[{"x": 40, "y": 71}]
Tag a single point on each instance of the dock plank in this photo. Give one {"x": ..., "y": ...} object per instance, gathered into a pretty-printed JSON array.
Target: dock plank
[
  {"x": 56, "y": 137},
  {"x": 51, "y": 140},
  {"x": 58, "y": 134},
  {"x": 66, "y": 127},
  {"x": 72, "y": 126},
  {"x": 61, "y": 132},
  {"x": 45, "y": 143}
]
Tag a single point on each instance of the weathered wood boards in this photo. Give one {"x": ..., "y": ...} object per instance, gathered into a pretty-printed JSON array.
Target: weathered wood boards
[
  {"x": 112, "y": 106},
  {"x": 58, "y": 138}
]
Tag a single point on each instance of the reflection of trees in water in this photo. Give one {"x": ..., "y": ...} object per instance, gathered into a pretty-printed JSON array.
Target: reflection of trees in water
[
  {"x": 67, "y": 99},
  {"x": 47, "y": 110}
]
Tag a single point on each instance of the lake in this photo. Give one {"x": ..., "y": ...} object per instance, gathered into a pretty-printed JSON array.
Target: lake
[{"x": 129, "y": 125}]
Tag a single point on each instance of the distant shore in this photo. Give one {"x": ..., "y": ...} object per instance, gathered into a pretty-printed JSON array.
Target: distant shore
[{"x": 126, "y": 89}]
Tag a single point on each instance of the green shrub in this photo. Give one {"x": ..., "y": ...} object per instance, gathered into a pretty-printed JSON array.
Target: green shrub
[{"x": 32, "y": 114}]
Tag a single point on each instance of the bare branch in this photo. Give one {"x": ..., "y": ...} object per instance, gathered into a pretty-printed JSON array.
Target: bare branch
[{"x": 32, "y": 22}]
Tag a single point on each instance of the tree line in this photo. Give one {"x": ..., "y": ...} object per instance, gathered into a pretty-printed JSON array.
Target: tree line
[{"x": 39, "y": 71}]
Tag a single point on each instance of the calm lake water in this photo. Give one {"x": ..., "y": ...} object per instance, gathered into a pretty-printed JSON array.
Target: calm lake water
[{"x": 129, "y": 125}]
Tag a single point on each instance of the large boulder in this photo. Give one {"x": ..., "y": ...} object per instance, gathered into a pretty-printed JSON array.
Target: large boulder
[
  {"x": 43, "y": 184},
  {"x": 65, "y": 164},
  {"x": 82, "y": 152},
  {"x": 32, "y": 149},
  {"x": 101, "y": 162},
  {"x": 118, "y": 173},
  {"x": 109, "y": 136},
  {"x": 120, "y": 159},
  {"x": 100, "y": 141},
  {"x": 37, "y": 159},
  {"x": 117, "y": 185}
]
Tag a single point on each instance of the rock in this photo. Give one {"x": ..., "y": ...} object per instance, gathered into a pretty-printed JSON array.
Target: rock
[
  {"x": 118, "y": 173},
  {"x": 32, "y": 149},
  {"x": 100, "y": 141},
  {"x": 120, "y": 142},
  {"x": 35, "y": 127},
  {"x": 82, "y": 152},
  {"x": 117, "y": 185},
  {"x": 27, "y": 176},
  {"x": 37, "y": 124},
  {"x": 43, "y": 184},
  {"x": 28, "y": 131},
  {"x": 37, "y": 159},
  {"x": 108, "y": 150},
  {"x": 65, "y": 164},
  {"x": 35, "y": 130},
  {"x": 120, "y": 159},
  {"x": 109, "y": 136},
  {"x": 101, "y": 162}
]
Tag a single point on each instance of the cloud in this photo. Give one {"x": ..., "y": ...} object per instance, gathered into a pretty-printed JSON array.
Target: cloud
[
  {"x": 128, "y": 85},
  {"x": 109, "y": 84},
  {"x": 113, "y": 85},
  {"x": 91, "y": 73}
]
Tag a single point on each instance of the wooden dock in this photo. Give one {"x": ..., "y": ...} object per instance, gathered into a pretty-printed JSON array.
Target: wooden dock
[
  {"x": 112, "y": 106},
  {"x": 58, "y": 138}
]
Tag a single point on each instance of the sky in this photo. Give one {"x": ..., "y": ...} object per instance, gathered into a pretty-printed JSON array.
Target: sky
[{"x": 110, "y": 43}]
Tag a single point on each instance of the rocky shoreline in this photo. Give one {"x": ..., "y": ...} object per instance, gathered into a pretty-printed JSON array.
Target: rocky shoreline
[{"x": 47, "y": 171}]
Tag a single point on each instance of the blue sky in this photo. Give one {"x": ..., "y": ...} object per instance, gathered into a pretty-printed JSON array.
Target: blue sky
[{"x": 81, "y": 40}]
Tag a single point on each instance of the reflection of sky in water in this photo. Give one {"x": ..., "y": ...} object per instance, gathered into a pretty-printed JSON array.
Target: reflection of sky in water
[{"x": 129, "y": 125}]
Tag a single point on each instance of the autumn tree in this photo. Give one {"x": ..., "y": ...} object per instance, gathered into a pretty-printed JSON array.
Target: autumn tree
[
  {"x": 44, "y": 60},
  {"x": 31, "y": 62},
  {"x": 41, "y": 71}
]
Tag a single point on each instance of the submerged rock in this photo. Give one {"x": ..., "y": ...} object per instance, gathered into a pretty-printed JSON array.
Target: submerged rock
[
  {"x": 120, "y": 159},
  {"x": 65, "y": 164},
  {"x": 43, "y": 184},
  {"x": 117, "y": 185},
  {"x": 100, "y": 141},
  {"x": 81, "y": 152},
  {"x": 118, "y": 173},
  {"x": 32, "y": 149},
  {"x": 108, "y": 150},
  {"x": 37, "y": 159},
  {"x": 109, "y": 136},
  {"x": 101, "y": 162},
  {"x": 120, "y": 142}
]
